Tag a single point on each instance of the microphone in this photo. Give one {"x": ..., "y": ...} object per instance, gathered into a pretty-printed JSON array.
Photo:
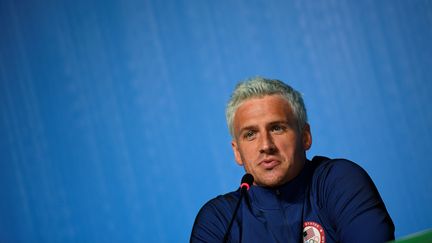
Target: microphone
[{"x": 245, "y": 184}]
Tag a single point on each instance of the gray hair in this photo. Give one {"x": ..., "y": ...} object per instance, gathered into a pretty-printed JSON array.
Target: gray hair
[{"x": 260, "y": 87}]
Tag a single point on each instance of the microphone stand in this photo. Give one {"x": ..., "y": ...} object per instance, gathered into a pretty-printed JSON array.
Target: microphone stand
[{"x": 243, "y": 190}]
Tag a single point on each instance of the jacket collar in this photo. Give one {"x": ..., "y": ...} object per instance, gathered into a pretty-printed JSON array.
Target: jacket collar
[{"x": 288, "y": 194}]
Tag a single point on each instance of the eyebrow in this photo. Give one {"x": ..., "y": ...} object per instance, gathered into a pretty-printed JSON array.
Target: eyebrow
[
  {"x": 278, "y": 122},
  {"x": 253, "y": 127}
]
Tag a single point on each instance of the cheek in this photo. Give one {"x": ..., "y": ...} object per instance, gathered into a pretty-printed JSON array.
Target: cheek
[
  {"x": 287, "y": 145},
  {"x": 249, "y": 153},
  {"x": 247, "y": 147}
]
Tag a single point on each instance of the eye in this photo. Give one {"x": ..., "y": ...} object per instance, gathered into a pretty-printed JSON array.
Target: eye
[
  {"x": 249, "y": 135},
  {"x": 278, "y": 129}
]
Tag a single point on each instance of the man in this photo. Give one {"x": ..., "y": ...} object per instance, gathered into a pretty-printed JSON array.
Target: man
[{"x": 292, "y": 199}]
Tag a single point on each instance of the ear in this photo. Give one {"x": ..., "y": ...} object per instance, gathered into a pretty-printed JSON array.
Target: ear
[
  {"x": 306, "y": 137},
  {"x": 236, "y": 151}
]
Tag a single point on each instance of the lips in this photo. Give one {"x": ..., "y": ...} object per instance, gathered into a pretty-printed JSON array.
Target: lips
[{"x": 269, "y": 164}]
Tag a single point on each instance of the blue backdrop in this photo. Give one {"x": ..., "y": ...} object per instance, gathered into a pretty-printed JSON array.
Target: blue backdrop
[{"x": 112, "y": 123}]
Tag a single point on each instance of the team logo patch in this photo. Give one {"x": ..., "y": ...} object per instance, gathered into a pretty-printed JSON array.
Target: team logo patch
[{"x": 313, "y": 233}]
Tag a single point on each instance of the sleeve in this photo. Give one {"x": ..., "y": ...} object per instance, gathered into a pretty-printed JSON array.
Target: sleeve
[
  {"x": 354, "y": 205},
  {"x": 212, "y": 221}
]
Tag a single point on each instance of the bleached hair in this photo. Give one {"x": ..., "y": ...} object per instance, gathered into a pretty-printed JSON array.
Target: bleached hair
[{"x": 259, "y": 87}]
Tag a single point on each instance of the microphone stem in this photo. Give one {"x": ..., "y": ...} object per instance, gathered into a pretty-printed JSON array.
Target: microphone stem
[{"x": 242, "y": 192}]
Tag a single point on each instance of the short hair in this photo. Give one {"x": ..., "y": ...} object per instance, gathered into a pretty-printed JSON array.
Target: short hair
[{"x": 259, "y": 87}]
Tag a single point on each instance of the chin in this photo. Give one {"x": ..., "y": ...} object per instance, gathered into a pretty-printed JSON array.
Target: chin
[{"x": 271, "y": 182}]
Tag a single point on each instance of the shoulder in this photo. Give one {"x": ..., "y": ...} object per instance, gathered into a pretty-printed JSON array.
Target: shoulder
[
  {"x": 213, "y": 218},
  {"x": 334, "y": 169},
  {"x": 349, "y": 201},
  {"x": 335, "y": 179},
  {"x": 220, "y": 204}
]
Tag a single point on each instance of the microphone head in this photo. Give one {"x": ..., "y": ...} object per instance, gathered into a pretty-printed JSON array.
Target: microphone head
[{"x": 246, "y": 181}]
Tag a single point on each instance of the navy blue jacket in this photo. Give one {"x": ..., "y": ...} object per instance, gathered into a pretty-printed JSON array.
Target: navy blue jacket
[{"x": 329, "y": 201}]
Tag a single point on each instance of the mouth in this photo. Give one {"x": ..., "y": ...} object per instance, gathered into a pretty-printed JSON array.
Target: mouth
[{"x": 269, "y": 164}]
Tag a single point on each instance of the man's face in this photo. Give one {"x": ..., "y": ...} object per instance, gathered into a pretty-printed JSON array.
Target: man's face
[{"x": 268, "y": 142}]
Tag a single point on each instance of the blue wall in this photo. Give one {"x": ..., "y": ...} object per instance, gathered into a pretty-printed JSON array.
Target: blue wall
[{"x": 112, "y": 112}]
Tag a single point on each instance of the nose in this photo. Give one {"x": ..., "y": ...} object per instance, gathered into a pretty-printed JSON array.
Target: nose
[{"x": 267, "y": 145}]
